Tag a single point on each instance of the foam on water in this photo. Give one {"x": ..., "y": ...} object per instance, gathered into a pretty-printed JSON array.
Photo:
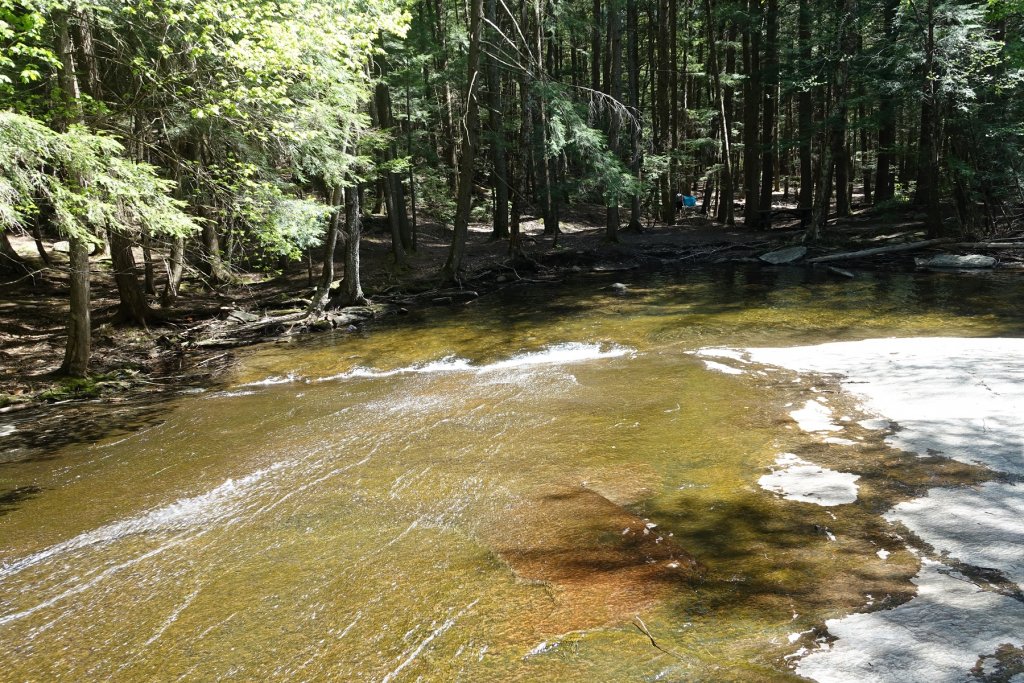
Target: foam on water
[
  {"x": 557, "y": 355},
  {"x": 177, "y": 516},
  {"x": 270, "y": 381}
]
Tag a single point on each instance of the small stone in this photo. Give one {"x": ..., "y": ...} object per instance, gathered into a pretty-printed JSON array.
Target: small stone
[{"x": 619, "y": 288}]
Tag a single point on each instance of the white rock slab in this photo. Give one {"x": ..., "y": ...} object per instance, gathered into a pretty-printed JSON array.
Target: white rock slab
[
  {"x": 937, "y": 637},
  {"x": 804, "y": 481},
  {"x": 815, "y": 417},
  {"x": 979, "y": 526},
  {"x": 962, "y": 398},
  {"x": 723, "y": 368}
]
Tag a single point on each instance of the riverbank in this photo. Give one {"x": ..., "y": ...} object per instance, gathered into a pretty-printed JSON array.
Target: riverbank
[{"x": 196, "y": 344}]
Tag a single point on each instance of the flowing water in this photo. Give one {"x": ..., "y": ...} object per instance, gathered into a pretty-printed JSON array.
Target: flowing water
[{"x": 543, "y": 485}]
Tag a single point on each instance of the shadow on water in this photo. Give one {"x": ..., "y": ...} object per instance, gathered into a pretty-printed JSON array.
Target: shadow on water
[
  {"x": 752, "y": 297},
  {"x": 43, "y": 435},
  {"x": 9, "y": 500}
]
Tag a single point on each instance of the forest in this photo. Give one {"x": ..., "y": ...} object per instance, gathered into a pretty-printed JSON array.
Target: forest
[
  {"x": 228, "y": 137},
  {"x": 495, "y": 340}
]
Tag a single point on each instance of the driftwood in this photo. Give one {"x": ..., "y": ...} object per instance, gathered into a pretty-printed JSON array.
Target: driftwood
[
  {"x": 840, "y": 271},
  {"x": 642, "y": 627},
  {"x": 890, "y": 249}
]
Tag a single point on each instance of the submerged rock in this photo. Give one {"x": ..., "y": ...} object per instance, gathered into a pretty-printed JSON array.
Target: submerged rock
[{"x": 619, "y": 288}]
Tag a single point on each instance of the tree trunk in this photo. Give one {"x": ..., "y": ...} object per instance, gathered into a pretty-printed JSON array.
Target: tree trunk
[
  {"x": 545, "y": 171},
  {"x": 595, "y": 46},
  {"x": 751, "y": 115},
  {"x": 394, "y": 194},
  {"x": 453, "y": 265},
  {"x": 133, "y": 307},
  {"x": 497, "y": 121},
  {"x": 865, "y": 172},
  {"x": 323, "y": 288},
  {"x": 351, "y": 292},
  {"x": 664, "y": 67},
  {"x": 834, "y": 164},
  {"x": 726, "y": 191},
  {"x": 149, "y": 274},
  {"x": 175, "y": 266},
  {"x": 77, "y": 350},
  {"x": 636, "y": 131},
  {"x": 675, "y": 184},
  {"x": 394, "y": 180},
  {"x": 928, "y": 149},
  {"x": 770, "y": 82},
  {"x": 884, "y": 183},
  {"x": 37, "y": 232},
  {"x": 805, "y": 109},
  {"x": 213, "y": 263},
  {"x": 615, "y": 77},
  {"x": 10, "y": 260}
]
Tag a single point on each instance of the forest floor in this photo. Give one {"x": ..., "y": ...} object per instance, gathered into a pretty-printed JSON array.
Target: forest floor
[{"x": 194, "y": 345}]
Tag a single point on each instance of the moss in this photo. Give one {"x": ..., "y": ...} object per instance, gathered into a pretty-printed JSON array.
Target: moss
[
  {"x": 73, "y": 388},
  {"x": 11, "y": 399}
]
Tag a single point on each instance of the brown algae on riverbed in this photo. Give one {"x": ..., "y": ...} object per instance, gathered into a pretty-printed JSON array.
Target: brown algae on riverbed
[{"x": 482, "y": 517}]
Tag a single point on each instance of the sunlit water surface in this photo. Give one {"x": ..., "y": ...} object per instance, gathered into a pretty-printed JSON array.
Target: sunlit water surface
[{"x": 511, "y": 490}]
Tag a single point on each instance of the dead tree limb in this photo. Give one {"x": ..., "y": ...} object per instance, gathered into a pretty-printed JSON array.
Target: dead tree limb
[{"x": 890, "y": 249}]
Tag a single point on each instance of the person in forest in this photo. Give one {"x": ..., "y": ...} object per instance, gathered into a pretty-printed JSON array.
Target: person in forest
[{"x": 684, "y": 201}]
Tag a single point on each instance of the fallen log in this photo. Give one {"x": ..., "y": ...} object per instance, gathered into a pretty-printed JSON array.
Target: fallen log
[
  {"x": 989, "y": 245},
  {"x": 875, "y": 251}
]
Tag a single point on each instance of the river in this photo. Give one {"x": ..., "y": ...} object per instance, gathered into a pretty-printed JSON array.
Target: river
[{"x": 544, "y": 485}]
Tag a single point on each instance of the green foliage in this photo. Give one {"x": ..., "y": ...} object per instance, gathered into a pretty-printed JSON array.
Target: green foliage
[
  {"x": 85, "y": 179},
  {"x": 294, "y": 225},
  {"x": 24, "y": 55},
  {"x": 570, "y": 132}
]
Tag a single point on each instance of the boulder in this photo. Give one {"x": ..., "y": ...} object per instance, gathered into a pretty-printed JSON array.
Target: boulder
[
  {"x": 62, "y": 247},
  {"x": 787, "y": 255},
  {"x": 956, "y": 261}
]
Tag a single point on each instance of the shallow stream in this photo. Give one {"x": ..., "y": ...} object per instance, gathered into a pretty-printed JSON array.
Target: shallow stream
[{"x": 545, "y": 484}]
